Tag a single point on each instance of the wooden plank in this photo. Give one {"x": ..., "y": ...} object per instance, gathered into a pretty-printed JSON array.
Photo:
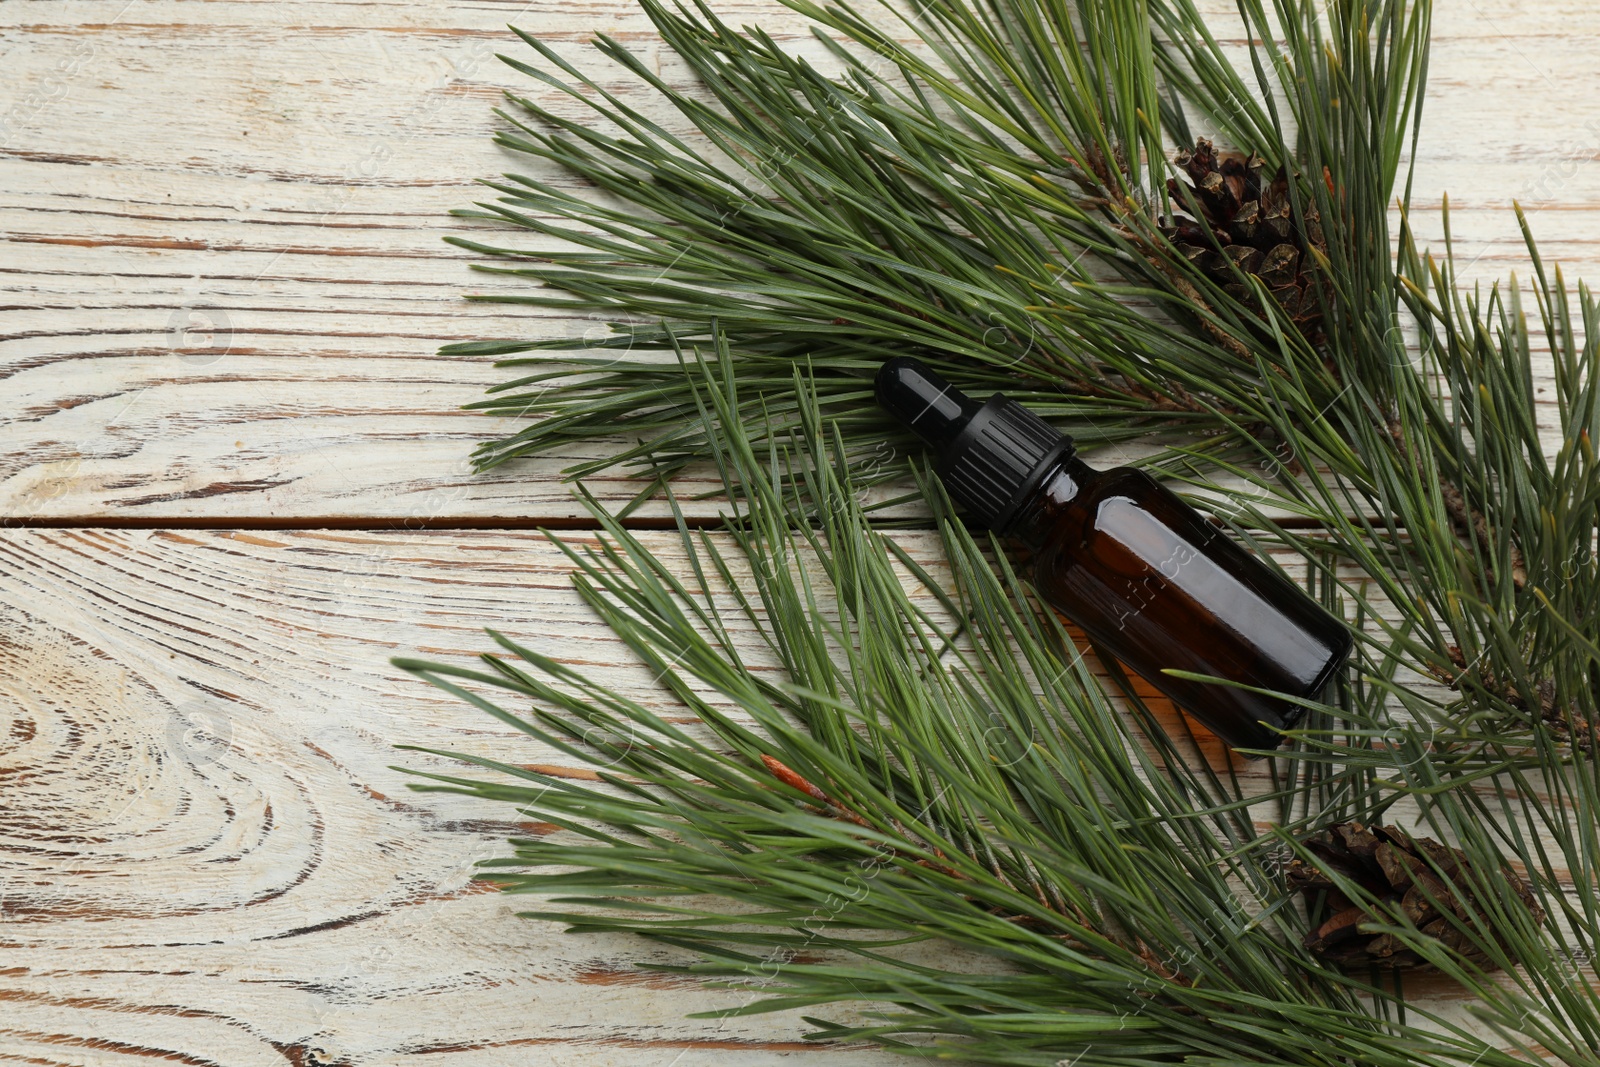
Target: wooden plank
[
  {"x": 206, "y": 855},
  {"x": 201, "y": 805},
  {"x": 221, "y": 294},
  {"x": 234, "y": 314}
]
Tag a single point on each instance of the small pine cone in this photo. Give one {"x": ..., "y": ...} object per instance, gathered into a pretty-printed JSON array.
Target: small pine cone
[
  {"x": 1394, "y": 867},
  {"x": 1253, "y": 222}
]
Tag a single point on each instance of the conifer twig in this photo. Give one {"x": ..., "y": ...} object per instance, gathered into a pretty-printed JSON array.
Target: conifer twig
[
  {"x": 925, "y": 198},
  {"x": 1566, "y": 720},
  {"x": 1468, "y": 521}
]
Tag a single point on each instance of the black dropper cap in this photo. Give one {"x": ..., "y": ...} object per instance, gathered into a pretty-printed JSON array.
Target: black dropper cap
[{"x": 992, "y": 456}]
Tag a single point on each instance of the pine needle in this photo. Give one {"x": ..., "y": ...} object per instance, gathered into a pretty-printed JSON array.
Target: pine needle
[{"x": 993, "y": 198}]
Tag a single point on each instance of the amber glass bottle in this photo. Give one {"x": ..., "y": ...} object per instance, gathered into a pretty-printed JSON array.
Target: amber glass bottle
[{"x": 1141, "y": 572}]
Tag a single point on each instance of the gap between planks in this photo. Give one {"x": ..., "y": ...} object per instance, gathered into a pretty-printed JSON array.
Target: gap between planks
[{"x": 379, "y": 522}]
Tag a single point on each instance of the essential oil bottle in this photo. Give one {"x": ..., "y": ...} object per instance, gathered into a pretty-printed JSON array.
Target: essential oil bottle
[{"x": 1147, "y": 577}]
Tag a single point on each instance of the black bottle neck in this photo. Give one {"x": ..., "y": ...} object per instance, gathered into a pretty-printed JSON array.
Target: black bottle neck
[
  {"x": 1035, "y": 521},
  {"x": 991, "y": 455}
]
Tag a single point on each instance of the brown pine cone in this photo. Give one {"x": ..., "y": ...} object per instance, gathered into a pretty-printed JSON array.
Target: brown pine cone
[
  {"x": 1254, "y": 224},
  {"x": 1393, "y": 866}
]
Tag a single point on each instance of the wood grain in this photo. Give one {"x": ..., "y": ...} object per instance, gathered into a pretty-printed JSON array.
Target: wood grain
[
  {"x": 205, "y": 855},
  {"x": 223, "y": 277},
  {"x": 222, "y": 291}
]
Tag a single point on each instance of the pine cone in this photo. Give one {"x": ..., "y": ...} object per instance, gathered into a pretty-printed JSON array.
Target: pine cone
[
  {"x": 1393, "y": 866},
  {"x": 1253, "y": 222}
]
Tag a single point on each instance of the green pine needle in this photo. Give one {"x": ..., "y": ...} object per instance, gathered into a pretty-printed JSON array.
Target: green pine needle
[
  {"x": 994, "y": 199},
  {"x": 979, "y": 789}
]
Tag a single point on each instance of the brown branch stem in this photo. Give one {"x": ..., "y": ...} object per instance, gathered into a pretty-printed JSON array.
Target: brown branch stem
[
  {"x": 1468, "y": 521},
  {"x": 1564, "y": 720}
]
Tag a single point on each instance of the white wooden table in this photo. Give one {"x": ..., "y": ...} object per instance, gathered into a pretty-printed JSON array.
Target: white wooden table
[{"x": 233, "y": 481}]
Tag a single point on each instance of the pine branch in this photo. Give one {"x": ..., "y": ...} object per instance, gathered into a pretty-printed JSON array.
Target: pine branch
[
  {"x": 1126, "y": 900},
  {"x": 946, "y": 201},
  {"x": 996, "y": 202},
  {"x": 1569, "y": 726}
]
